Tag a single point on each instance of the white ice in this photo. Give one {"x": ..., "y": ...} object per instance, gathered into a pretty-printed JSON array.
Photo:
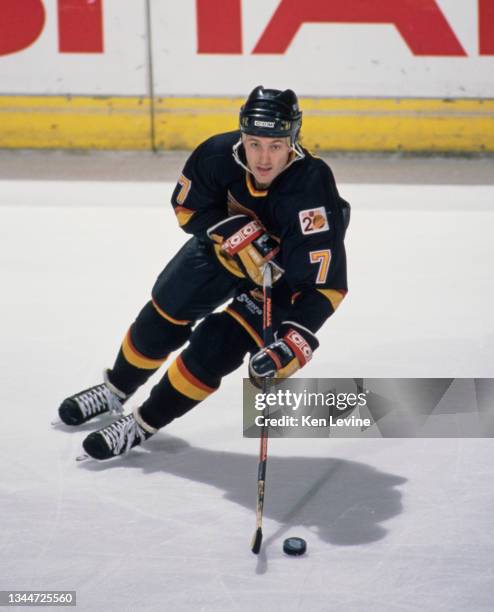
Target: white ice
[{"x": 391, "y": 525}]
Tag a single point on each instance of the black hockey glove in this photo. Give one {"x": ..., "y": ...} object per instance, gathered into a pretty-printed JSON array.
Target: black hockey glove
[
  {"x": 285, "y": 355},
  {"x": 244, "y": 247}
]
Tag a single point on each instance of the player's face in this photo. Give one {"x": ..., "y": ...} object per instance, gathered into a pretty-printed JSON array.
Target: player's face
[{"x": 266, "y": 157}]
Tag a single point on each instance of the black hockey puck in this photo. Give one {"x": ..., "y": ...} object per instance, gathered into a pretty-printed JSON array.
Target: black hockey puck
[{"x": 294, "y": 546}]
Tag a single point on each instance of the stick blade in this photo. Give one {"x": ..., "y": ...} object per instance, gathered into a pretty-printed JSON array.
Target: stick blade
[{"x": 257, "y": 541}]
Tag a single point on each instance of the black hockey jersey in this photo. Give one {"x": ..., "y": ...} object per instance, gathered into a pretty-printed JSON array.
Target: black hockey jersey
[{"x": 301, "y": 209}]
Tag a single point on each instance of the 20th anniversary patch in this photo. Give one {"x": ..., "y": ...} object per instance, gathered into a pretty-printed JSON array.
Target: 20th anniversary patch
[{"x": 313, "y": 220}]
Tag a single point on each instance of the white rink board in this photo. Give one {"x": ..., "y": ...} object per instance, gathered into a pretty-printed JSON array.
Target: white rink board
[
  {"x": 322, "y": 60},
  {"x": 333, "y": 60},
  {"x": 121, "y": 70}
]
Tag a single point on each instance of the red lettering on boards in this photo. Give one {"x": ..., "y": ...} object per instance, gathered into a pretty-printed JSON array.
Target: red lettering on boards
[
  {"x": 20, "y": 24},
  {"x": 421, "y": 23},
  {"x": 80, "y": 25},
  {"x": 219, "y": 26},
  {"x": 486, "y": 27}
]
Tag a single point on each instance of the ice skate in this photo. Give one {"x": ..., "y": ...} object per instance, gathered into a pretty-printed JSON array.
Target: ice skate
[
  {"x": 84, "y": 406},
  {"x": 117, "y": 438}
]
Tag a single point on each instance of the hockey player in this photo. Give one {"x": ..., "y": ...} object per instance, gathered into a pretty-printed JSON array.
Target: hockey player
[{"x": 246, "y": 197}]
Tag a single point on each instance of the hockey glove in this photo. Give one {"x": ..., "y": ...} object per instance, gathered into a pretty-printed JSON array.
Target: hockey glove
[
  {"x": 284, "y": 356},
  {"x": 243, "y": 247}
]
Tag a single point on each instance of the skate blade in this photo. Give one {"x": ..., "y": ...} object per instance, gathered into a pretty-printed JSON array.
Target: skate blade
[{"x": 82, "y": 457}]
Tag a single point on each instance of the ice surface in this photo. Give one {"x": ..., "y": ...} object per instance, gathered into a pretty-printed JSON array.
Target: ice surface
[{"x": 391, "y": 525}]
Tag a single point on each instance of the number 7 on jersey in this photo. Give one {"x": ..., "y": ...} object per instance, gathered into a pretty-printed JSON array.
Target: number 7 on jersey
[{"x": 322, "y": 258}]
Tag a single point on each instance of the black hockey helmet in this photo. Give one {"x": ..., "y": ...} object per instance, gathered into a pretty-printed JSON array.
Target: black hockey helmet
[{"x": 271, "y": 113}]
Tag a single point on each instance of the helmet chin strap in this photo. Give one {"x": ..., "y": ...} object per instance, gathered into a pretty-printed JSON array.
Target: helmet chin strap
[
  {"x": 299, "y": 154},
  {"x": 294, "y": 146},
  {"x": 236, "y": 156}
]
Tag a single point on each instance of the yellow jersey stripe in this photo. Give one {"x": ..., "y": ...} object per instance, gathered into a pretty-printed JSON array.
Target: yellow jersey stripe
[
  {"x": 334, "y": 296},
  {"x": 186, "y": 383},
  {"x": 137, "y": 359},
  {"x": 183, "y": 214},
  {"x": 256, "y": 193},
  {"x": 248, "y": 328},
  {"x": 168, "y": 317}
]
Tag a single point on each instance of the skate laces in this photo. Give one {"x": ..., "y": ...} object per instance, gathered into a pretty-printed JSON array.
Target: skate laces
[
  {"x": 98, "y": 399},
  {"x": 121, "y": 435}
]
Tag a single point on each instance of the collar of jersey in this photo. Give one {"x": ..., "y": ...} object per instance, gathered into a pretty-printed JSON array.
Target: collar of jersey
[{"x": 256, "y": 193}]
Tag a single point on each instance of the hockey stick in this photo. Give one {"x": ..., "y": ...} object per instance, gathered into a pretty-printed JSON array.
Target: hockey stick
[{"x": 267, "y": 329}]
